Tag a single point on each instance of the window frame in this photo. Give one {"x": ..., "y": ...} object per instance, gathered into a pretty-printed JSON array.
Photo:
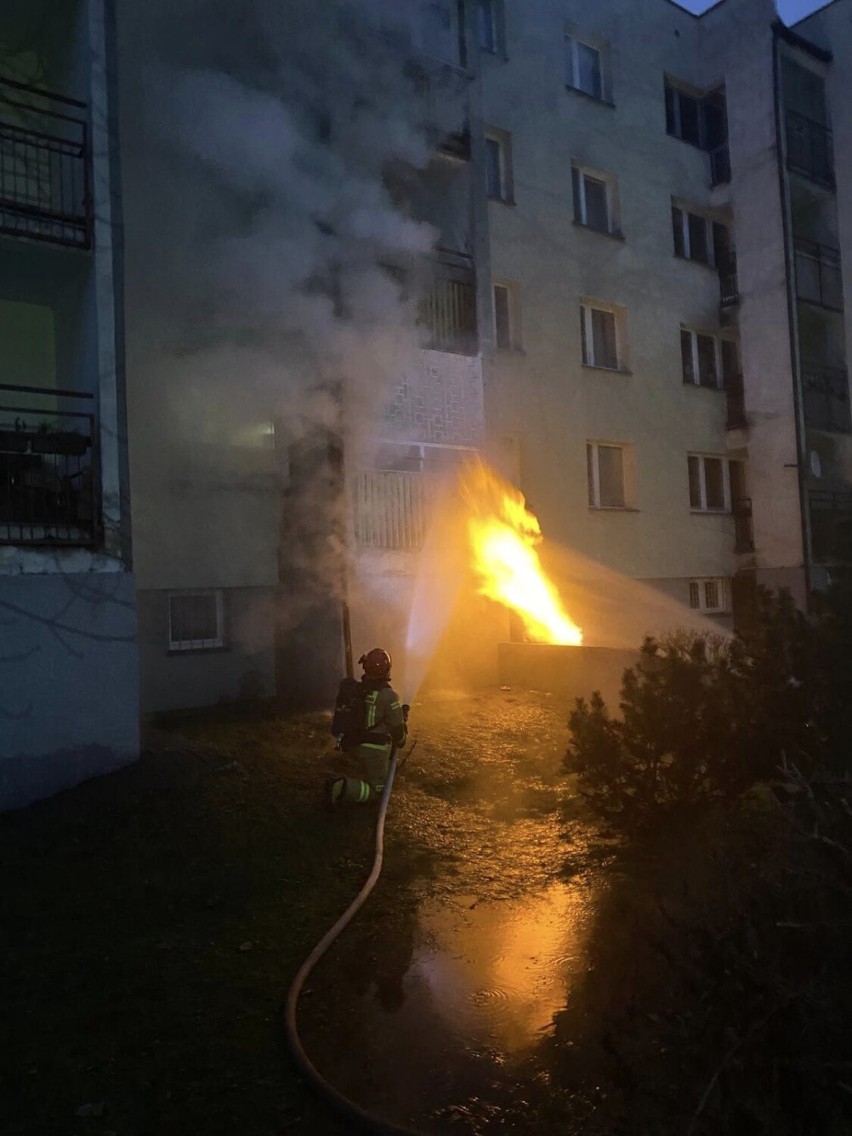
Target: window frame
[
  {"x": 703, "y": 507},
  {"x": 700, "y": 584},
  {"x": 579, "y": 174},
  {"x": 587, "y": 341},
  {"x": 183, "y": 645},
  {"x": 502, "y": 140},
  {"x": 718, "y": 355},
  {"x": 593, "y": 475},
  {"x": 492, "y": 12},
  {"x": 512, "y": 312},
  {"x": 574, "y": 37},
  {"x": 710, "y": 223}
]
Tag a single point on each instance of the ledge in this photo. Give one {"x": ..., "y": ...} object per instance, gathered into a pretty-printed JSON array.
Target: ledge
[
  {"x": 608, "y": 370},
  {"x": 614, "y": 235},
  {"x": 591, "y": 98}
]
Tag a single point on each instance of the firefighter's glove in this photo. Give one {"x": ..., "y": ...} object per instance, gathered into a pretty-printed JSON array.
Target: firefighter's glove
[{"x": 406, "y": 710}]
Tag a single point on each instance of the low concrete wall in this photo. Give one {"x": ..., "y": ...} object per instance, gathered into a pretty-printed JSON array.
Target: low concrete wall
[{"x": 575, "y": 671}]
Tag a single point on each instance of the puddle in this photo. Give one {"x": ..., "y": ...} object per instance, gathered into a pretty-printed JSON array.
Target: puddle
[
  {"x": 447, "y": 1014},
  {"x": 496, "y": 973}
]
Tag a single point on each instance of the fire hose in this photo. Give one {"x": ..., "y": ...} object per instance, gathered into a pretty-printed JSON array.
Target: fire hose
[{"x": 345, "y": 1107}]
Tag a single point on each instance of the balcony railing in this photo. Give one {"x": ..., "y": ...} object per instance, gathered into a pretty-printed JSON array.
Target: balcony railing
[
  {"x": 720, "y": 165},
  {"x": 735, "y": 393},
  {"x": 448, "y": 311},
  {"x": 47, "y": 467},
  {"x": 743, "y": 533},
  {"x": 825, "y": 394},
  {"x": 391, "y": 509},
  {"x": 818, "y": 276},
  {"x": 809, "y": 148},
  {"x": 831, "y": 526},
  {"x": 44, "y": 166}
]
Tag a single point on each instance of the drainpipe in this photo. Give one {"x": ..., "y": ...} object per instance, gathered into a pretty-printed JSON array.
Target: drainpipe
[{"x": 792, "y": 314}]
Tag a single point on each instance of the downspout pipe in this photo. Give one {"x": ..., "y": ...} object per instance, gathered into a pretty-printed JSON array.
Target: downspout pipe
[{"x": 792, "y": 311}]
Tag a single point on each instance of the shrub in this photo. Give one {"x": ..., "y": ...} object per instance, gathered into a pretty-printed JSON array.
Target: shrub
[{"x": 703, "y": 717}]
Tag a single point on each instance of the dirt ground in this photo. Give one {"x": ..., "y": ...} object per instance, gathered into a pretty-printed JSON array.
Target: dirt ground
[{"x": 153, "y": 918}]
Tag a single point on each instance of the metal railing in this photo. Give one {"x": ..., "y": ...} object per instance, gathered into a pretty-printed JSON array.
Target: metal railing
[
  {"x": 743, "y": 532},
  {"x": 809, "y": 148},
  {"x": 391, "y": 508},
  {"x": 48, "y": 482},
  {"x": 825, "y": 395},
  {"x": 44, "y": 166},
  {"x": 720, "y": 165},
  {"x": 448, "y": 311},
  {"x": 831, "y": 525},
  {"x": 818, "y": 276},
  {"x": 735, "y": 394}
]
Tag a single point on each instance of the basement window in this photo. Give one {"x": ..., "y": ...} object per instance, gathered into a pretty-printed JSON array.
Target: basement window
[{"x": 196, "y": 620}]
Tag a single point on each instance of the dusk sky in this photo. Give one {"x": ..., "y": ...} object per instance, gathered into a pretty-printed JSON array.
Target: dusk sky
[{"x": 789, "y": 10}]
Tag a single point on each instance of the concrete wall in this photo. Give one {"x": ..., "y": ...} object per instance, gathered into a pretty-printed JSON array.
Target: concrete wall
[
  {"x": 68, "y": 681},
  {"x": 242, "y": 670}
]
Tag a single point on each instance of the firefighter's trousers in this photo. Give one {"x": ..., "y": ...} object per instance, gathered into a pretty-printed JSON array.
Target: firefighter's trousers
[{"x": 375, "y": 760}]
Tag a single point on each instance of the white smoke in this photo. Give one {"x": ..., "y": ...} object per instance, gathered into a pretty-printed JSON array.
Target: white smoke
[{"x": 255, "y": 142}]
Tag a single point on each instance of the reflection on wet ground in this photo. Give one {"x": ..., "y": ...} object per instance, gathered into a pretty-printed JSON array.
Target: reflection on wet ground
[{"x": 428, "y": 1009}]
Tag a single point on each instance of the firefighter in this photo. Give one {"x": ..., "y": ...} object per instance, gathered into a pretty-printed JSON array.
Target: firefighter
[{"x": 369, "y": 721}]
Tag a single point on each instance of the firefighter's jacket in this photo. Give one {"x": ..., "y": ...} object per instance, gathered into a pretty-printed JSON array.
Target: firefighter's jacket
[{"x": 384, "y": 719}]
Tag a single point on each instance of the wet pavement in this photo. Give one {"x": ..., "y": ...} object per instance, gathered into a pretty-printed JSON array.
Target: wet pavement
[{"x": 432, "y": 1008}]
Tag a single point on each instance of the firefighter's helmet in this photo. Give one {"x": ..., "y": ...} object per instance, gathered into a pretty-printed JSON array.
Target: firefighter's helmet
[{"x": 376, "y": 663}]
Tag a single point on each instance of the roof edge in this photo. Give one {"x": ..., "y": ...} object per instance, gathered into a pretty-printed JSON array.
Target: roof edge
[{"x": 795, "y": 40}]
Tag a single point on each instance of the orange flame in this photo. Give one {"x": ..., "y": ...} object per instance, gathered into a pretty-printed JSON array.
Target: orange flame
[{"x": 503, "y": 535}]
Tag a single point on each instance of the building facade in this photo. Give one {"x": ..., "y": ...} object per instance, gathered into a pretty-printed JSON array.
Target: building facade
[
  {"x": 665, "y": 243},
  {"x": 69, "y": 705}
]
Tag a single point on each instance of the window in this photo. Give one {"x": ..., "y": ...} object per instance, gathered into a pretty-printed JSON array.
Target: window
[
  {"x": 594, "y": 200},
  {"x": 498, "y": 167},
  {"x": 506, "y": 317},
  {"x": 195, "y": 621},
  {"x": 707, "y": 360},
  {"x": 700, "y": 119},
  {"x": 709, "y": 484},
  {"x": 602, "y": 337},
  {"x": 489, "y": 18},
  {"x": 709, "y": 595},
  {"x": 583, "y": 67},
  {"x": 700, "y": 238},
  {"x": 608, "y": 470}
]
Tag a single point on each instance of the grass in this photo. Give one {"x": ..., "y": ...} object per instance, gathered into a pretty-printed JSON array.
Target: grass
[{"x": 152, "y": 919}]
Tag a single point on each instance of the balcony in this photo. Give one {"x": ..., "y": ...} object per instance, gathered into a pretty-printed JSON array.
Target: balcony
[
  {"x": 831, "y": 526},
  {"x": 818, "y": 276},
  {"x": 44, "y": 166},
  {"x": 441, "y": 92},
  {"x": 743, "y": 533},
  {"x": 825, "y": 394},
  {"x": 448, "y": 311},
  {"x": 736, "y": 419},
  {"x": 47, "y": 468},
  {"x": 809, "y": 148}
]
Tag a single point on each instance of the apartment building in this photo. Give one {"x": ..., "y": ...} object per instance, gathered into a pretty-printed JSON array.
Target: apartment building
[
  {"x": 667, "y": 341},
  {"x": 68, "y": 654}
]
